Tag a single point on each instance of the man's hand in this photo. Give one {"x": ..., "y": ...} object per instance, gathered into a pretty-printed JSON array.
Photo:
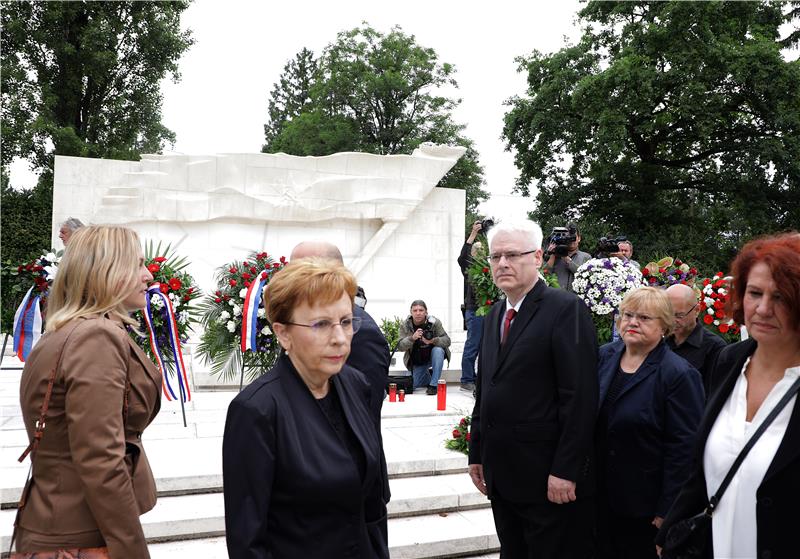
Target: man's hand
[
  {"x": 476, "y": 228},
  {"x": 560, "y": 491},
  {"x": 427, "y": 341},
  {"x": 476, "y": 473},
  {"x": 417, "y": 334}
]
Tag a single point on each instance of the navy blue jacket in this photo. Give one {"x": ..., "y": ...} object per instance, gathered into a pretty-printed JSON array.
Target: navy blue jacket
[{"x": 651, "y": 430}]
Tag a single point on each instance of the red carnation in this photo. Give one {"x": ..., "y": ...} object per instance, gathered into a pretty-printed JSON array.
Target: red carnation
[
  {"x": 708, "y": 319},
  {"x": 693, "y": 271},
  {"x": 37, "y": 268},
  {"x": 245, "y": 264},
  {"x": 175, "y": 284},
  {"x": 164, "y": 288},
  {"x": 217, "y": 293},
  {"x": 719, "y": 314},
  {"x": 263, "y": 275},
  {"x": 217, "y": 300},
  {"x": 456, "y": 434},
  {"x": 190, "y": 290},
  {"x": 718, "y": 304},
  {"x": 232, "y": 269},
  {"x": 276, "y": 265},
  {"x": 468, "y": 437},
  {"x": 706, "y": 282},
  {"x": 20, "y": 268},
  {"x": 253, "y": 270},
  {"x": 283, "y": 259},
  {"x": 723, "y": 328},
  {"x": 186, "y": 298},
  {"x": 159, "y": 259},
  {"x": 154, "y": 268},
  {"x": 485, "y": 270},
  {"x": 247, "y": 283},
  {"x": 488, "y": 301},
  {"x": 232, "y": 282},
  {"x": 651, "y": 279},
  {"x": 246, "y": 276},
  {"x": 463, "y": 422},
  {"x": 678, "y": 262},
  {"x": 645, "y": 272},
  {"x": 662, "y": 270}
]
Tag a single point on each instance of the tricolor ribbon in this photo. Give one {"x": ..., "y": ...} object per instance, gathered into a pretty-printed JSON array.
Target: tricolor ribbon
[
  {"x": 250, "y": 312},
  {"x": 174, "y": 343},
  {"x": 27, "y": 325}
]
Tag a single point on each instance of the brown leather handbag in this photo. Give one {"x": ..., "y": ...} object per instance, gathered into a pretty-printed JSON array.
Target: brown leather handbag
[{"x": 74, "y": 553}]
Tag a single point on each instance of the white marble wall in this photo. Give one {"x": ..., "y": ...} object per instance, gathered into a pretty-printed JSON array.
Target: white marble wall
[{"x": 397, "y": 232}]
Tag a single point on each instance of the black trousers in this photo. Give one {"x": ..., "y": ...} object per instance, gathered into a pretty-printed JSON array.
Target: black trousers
[
  {"x": 544, "y": 530},
  {"x": 624, "y": 537}
]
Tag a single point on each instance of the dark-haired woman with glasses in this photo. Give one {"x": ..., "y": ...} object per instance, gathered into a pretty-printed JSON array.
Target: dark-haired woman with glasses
[
  {"x": 301, "y": 454},
  {"x": 651, "y": 402}
]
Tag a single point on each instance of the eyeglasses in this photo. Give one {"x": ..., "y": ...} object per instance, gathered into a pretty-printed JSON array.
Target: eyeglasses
[
  {"x": 325, "y": 327},
  {"x": 682, "y": 315},
  {"x": 643, "y": 318},
  {"x": 510, "y": 256}
]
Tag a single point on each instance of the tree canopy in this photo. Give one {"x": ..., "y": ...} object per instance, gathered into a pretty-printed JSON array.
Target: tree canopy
[
  {"x": 677, "y": 123},
  {"x": 371, "y": 92}
]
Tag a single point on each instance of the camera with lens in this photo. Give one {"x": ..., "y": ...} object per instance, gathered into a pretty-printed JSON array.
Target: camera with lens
[
  {"x": 608, "y": 245},
  {"x": 427, "y": 333},
  {"x": 486, "y": 224},
  {"x": 562, "y": 237}
]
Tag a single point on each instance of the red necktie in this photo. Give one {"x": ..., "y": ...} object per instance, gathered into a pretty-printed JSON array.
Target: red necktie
[{"x": 510, "y": 314}]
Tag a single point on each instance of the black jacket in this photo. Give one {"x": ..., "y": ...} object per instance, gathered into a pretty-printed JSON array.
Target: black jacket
[
  {"x": 291, "y": 487},
  {"x": 651, "y": 430},
  {"x": 779, "y": 492},
  {"x": 464, "y": 262},
  {"x": 536, "y": 397}
]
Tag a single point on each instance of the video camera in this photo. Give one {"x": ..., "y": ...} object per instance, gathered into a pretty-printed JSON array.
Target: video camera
[
  {"x": 486, "y": 224},
  {"x": 561, "y": 237},
  {"x": 606, "y": 245}
]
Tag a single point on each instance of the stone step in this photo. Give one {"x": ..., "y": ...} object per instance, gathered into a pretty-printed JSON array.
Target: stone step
[
  {"x": 459, "y": 534},
  {"x": 203, "y": 515}
]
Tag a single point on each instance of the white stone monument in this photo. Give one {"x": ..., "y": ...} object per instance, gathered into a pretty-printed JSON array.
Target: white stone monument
[{"x": 399, "y": 234}]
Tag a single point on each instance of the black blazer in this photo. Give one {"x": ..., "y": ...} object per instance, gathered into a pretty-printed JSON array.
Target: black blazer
[
  {"x": 651, "y": 430},
  {"x": 291, "y": 486},
  {"x": 536, "y": 397},
  {"x": 779, "y": 492}
]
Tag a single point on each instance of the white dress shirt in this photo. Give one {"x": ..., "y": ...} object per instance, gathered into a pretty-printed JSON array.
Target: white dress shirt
[{"x": 734, "y": 521}]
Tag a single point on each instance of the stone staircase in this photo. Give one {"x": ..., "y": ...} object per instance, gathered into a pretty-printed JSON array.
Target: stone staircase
[{"x": 435, "y": 510}]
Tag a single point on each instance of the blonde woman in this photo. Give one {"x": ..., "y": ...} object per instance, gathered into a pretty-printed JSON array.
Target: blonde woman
[{"x": 90, "y": 479}]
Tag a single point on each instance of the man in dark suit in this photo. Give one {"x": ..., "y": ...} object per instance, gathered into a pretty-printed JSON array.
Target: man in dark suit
[
  {"x": 369, "y": 351},
  {"x": 533, "y": 422}
]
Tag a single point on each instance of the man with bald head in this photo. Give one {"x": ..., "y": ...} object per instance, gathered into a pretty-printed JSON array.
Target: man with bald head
[{"x": 695, "y": 343}]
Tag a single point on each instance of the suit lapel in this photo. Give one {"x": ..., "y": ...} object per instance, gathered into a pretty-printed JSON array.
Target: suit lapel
[
  {"x": 491, "y": 343},
  {"x": 526, "y": 312},
  {"x": 606, "y": 374},
  {"x": 789, "y": 448},
  {"x": 356, "y": 422}
]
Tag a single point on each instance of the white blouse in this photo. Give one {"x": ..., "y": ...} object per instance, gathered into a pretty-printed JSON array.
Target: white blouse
[{"x": 734, "y": 521}]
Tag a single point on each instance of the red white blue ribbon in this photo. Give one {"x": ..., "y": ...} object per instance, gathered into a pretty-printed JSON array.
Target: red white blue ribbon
[
  {"x": 174, "y": 343},
  {"x": 27, "y": 325},
  {"x": 250, "y": 311}
]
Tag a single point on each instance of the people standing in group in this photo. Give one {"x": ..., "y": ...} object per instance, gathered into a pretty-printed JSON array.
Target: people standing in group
[
  {"x": 300, "y": 453},
  {"x": 757, "y": 514},
  {"x": 473, "y": 324},
  {"x": 690, "y": 339},
  {"x": 66, "y": 229},
  {"x": 426, "y": 346},
  {"x": 531, "y": 448},
  {"x": 651, "y": 402},
  {"x": 564, "y": 267},
  {"x": 89, "y": 392}
]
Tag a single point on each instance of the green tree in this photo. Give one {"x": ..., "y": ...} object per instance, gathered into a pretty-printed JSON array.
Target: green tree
[
  {"x": 371, "y": 92},
  {"x": 677, "y": 123},
  {"x": 81, "y": 79}
]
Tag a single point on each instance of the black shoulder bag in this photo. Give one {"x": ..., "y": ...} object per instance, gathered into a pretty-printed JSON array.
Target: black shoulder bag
[{"x": 688, "y": 538}]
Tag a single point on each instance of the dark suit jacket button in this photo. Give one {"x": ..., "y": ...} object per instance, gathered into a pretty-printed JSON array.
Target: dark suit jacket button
[{"x": 765, "y": 502}]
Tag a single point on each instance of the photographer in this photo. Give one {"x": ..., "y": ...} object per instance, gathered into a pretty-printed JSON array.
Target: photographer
[
  {"x": 425, "y": 344},
  {"x": 625, "y": 251},
  {"x": 562, "y": 256},
  {"x": 472, "y": 324}
]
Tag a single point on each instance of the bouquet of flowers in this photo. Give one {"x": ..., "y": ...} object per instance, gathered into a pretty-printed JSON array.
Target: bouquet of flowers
[
  {"x": 712, "y": 308},
  {"x": 29, "y": 317},
  {"x": 602, "y": 283},
  {"x": 460, "y": 438},
  {"x": 668, "y": 272},
  {"x": 42, "y": 271},
  {"x": 221, "y": 342},
  {"x": 169, "y": 273},
  {"x": 480, "y": 276}
]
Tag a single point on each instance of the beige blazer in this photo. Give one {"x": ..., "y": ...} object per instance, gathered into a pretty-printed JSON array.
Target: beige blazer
[{"x": 91, "y": 477}]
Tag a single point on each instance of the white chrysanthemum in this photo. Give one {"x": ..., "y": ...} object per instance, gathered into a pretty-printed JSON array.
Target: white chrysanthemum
[
  {"x": 171, "y": 297},
  {"x": 243, "y": 292},
  {"x": 262, "y": 313},
  {"x": 231, "y": 326},
  {"x": 156, "y": 302},
  {"x": 51, "y": 257},
  {"x": 232, "y": 303},
  {"x": 266, "y": 331},
  {"x": 603, "y": 282},
  {"x": 51, "y": 272},
  {"x": 237, "y": 310},
  {"x": 224, "y": 315}
]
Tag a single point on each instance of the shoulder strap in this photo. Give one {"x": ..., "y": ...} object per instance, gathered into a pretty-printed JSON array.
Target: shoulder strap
[{"x": 714, "y": 500}]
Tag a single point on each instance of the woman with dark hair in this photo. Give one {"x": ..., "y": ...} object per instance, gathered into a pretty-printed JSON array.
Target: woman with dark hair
[
  {"x": 301, "y": 454},
  {"x": 651, "y": 402},
  {"x": 757, "y": 514}
]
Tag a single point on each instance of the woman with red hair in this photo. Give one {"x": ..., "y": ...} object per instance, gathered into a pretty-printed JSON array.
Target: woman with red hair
[{"x": 756, "y": 516}]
